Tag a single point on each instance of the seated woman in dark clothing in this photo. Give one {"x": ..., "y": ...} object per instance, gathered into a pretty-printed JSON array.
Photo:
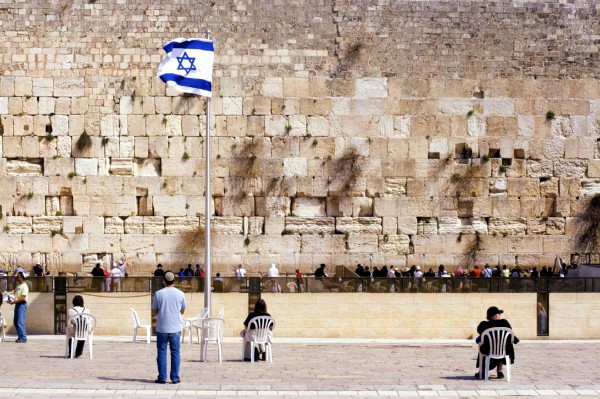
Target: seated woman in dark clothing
[
  {"x": 494, "y": 319},
  {"x": 260, "y": 309}
]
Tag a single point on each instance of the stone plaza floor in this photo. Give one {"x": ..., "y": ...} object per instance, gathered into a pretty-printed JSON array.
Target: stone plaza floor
[{"x": 300, "y": 368}]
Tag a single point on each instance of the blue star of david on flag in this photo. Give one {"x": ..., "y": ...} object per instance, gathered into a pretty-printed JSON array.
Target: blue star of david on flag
[
  {"x": 188, "y": 66},
  {"x": 190, "y": 60}
]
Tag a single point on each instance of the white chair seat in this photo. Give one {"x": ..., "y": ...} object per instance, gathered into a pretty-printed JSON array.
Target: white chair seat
[
  {"x": 188, "y": 325},
  {"x": 84, "y": 331},
  {"x": 498, "y": 338},
  {"x": 261, "y": 327},
  {"x": 137, "y": 325},
  {"x": 212, "y": 331}
]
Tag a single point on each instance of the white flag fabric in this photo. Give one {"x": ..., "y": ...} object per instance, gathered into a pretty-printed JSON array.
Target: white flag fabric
[{"x": 188, "y": 66}]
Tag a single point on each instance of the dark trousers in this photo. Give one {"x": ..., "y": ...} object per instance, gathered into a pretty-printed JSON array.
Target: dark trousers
[{"x": 78, "y": 348}]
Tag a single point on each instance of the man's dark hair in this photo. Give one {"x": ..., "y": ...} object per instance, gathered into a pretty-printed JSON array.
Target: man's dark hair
[
  {"x": 260, "y": 307},
  {"x": 78, "y": 300}
]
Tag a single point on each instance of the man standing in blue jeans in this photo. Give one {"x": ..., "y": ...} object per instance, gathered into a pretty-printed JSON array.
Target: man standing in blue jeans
[
  {"x": 168, "y": 306},
  {"x": 21, "y": 294}
]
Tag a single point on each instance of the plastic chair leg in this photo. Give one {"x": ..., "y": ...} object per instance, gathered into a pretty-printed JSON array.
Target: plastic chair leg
[
  {"x": 134, "y": 335},
  {"x": 90, "y": 340},
  {"x": 219, "y": 349},
  {"x": 508, "y": 369},
  {"x": 486, "y": 371},
  {"x": 147, "y": 335}
]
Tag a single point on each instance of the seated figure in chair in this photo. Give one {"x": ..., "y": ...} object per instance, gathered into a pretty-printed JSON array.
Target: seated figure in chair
[
  {"x": 494, "y": 319},
  {"x": 77, "y": 308},
  {"x": 260, "y": 309}
]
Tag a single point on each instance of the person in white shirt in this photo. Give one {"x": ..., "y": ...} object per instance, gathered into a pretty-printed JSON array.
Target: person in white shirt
[
  {"x": 273, "y": 271},
  {"x": 115, "y": 273},
  {"x": 240, "y": 272},
  {"x": 418, "y": 273}
]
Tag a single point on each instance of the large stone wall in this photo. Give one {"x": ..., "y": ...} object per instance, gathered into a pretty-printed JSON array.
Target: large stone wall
[{"x": 380, "y": 132}]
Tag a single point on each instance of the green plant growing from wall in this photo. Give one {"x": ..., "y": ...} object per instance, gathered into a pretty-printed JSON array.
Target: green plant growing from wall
[
  {"x": 473, "y": 248},
  {"x": 485, "y": 157},
  {"x": 550, "y": 115},
  {"x": 470, "y": 113},
  {"x": 71, "y": 175},
  {"x": 84, "y": 141},
  {"x": 185, "y": 156},
  {"x": 502, "y": 169},
  {"x": 104, "y": 141}
]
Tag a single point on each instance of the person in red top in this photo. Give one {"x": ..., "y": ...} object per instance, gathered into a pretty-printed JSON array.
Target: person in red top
[{"x": 476, "y": 272}]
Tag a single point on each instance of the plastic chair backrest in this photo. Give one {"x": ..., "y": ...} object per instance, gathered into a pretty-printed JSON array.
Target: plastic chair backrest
[
  {"x": 136, "y": 319},
  {"x": 262, "y": 325},
  {"x": 212, "y": 329},
  {"x": 84, "y": 325},
  {"x": 291, "y": 286},
  {"x": 221, "y": 313},
  {"x": 497, "y": 338}
]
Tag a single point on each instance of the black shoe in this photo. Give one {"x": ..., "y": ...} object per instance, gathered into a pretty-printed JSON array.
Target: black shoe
[
  {"x": 263, "y": 356},
  {"x": 500, "y": 375},
  {"x": 160, "y": 382},
  {"x": 175, "y": 382},
  {"x": 256, "y": 354},
  {"x": 21, "y": 341},
  {"x": 477, "y": 375}
]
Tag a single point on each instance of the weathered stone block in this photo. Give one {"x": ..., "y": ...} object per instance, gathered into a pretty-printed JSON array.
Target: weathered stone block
[
  {"x": 167, "y": 205},
  {"x": 153, "y": 224},
  {"x": 360, "y": 225},
  {"x": 19, "y": 224},
  {"x": 121, "y": 166},
  {"x": 371, "y": 88},
  {"x": 114, "y": 225},
  {"x": 506, "y": 225},
  {"x": 296, "y": 225},
  {"x": 272, "y": 206},
  {"x": 134, "y": 225},
  {"x": 308, "y": 207},
  {"x": 180, "y": 225},
  {"x": 47, "y": 224},
  {"x": 86, "y": 166}
]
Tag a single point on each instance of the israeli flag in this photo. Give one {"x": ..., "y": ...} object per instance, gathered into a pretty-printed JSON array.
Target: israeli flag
[{"x": 188, "y": 66}]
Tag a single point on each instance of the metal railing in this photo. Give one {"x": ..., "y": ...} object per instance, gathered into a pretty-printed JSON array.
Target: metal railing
[{"x": 311, "y": 284}]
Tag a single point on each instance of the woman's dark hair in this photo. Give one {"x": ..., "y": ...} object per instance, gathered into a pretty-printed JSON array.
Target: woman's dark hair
[
  {"x": 78, "y": 300},
  {"x": 261, "y": 306}
]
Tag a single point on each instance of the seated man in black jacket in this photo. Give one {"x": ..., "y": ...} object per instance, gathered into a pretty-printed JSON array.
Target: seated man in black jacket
[{"x": 494, "y": 319}]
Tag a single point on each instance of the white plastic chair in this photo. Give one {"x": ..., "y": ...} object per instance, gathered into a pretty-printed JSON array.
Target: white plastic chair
[
  {"x": 84, "y": 331},
  {"x": 2, "y": 327},
  {"x": 212, "y": 331},
  {"x": 221, "y": 313},
  {"x": 188, "y": 324},
  {"x": 292, "y": 287},
  {"x": 261, "y": 325},
  {"x": 137, "y": 324},
  {"x": 498, "y": 338}
]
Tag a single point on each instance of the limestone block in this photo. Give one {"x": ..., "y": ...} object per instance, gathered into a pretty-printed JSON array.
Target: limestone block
[
  {"x": 93, "y": 224},
  {"x": 126, "y": 105},
  {"x": 389, "y": 225},
  {"x": 58, "y": 166},
  {"x": 526, "y": 126},
  {"x": 275, "y": 125},
  {"x": 523, "y": 187},
  {"x": 244, "y": 206},
  {"x": 179, "y": 225},
  {"x": 555, "y": 225},
  {"x": 314, "y": 243},
  {"x": 439, "y": 145},
  {"x": 69, "y": 87},
  {"x": 536, "y": 226},
  {"x": 296, "y": 87},
  {"x": 136, "y": 125},
  {"x": 121, "y": 166},
  {"x": 362, "y": 206},
  {"x": 371, "y": 88},
  {"x": 297, "y": 123},
  {"x": 114, "y": 225},
  {"x": 554, "y": 147},
  {"x": 571, "y": 147},
  {"x": 339, "y": 206},
  {"x": 309, "y": 207},
  {"x": 256, "y": 225},
  {"x": 7, "y": 86},
  {"x": 109, "y": 126},
  {"x": 360, "y": 225},
  {"x": 126, "y": 147},
  {"x": 169, "y": 205},
  {"x": 274, "y": 225},
  {"x": 86, "y": 166},
  {"x": 192, "y": 126},
  {"x": 136, "y": 243},
  {"x": 586, "y": 148},
  {"x": 557, "y": 244},
  {"x": 570, "y": 168},
  {"x": 134, "y": 225},
  {"x": 394, "y": 244},
  {"x": 228, "y": 225},
  {"x": 46, "y": 224},
  {"x": 362, "y": 243},
  {"x": 147, "y": 167},
  {"x": 272, "y": 206},
  {"x": 429, "y": 244},
  {"x": 72, "y": 224},
  {"x": 19, "y": 224},
  {"x": 508, "y": 225},
  {"x": 387, "y": 206},
  {"x": 30, "y": 205},
  {"x": 539, "y": 169},
  {"x": 295, "y": 167},
  {"x": 289, "y": 244},
  {"x": 454, "y": 106},
  {"x": 176, "y": 167},
  {"x": 23, "y": 86},
  {"x": 141, "y": 147},
  {"x": 272, "y": 87},
  {"x": 427, "y": 226},
  {"x": 455, "y": 225},
  {"x": 153, "y": 224},
  {"x": 476, "y": 126},
  {"x": 297, "y": 225},
  {"x": 407, "y": 225},
  {"x": 154, "y": 125},
  {"x": 3, "y": 105},
  {"x": 24, "y": 167}
]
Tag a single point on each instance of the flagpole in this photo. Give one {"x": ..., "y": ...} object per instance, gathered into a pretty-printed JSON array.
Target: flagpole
[{"x": 207, "y": 213}]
